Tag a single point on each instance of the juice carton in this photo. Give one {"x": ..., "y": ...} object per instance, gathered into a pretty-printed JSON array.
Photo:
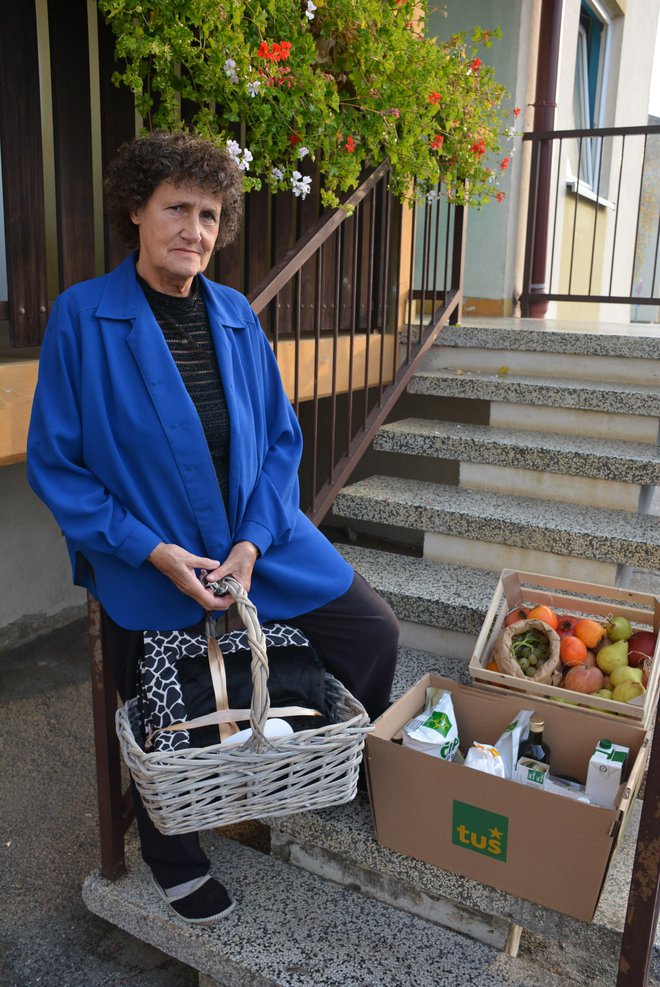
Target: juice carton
[{"x": 606, "y": 773}]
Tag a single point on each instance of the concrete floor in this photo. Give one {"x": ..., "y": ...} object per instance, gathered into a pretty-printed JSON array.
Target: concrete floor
[{"x": 49, "y": 830}]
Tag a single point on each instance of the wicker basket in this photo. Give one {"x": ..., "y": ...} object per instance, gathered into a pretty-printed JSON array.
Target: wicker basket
[{"x": 200, "y": 788}]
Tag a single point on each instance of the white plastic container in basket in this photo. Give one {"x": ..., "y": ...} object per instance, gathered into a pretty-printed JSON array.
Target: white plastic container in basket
[
  {"x": 200, "y": 788},
  {"x": 567, "y": 596}
]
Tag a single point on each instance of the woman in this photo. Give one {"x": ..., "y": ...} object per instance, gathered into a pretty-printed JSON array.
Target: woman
[{"x": 164, "y": 444}]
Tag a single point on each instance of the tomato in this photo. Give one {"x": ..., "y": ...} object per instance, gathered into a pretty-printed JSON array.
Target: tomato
[
  {"x": 513, "y": 616},
  {"x": 545, "y": 614},
  {"x": 589, "y": 631},
  {"x": 572, "y": 650}
]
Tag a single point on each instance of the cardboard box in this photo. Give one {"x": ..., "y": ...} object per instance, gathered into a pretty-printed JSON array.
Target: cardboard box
[
  {"x": 567, "y": 596},
  {"x": 546, "y": 848}
]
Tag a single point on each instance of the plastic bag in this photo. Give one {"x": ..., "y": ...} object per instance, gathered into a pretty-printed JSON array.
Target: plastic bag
[
  {"x": 485, "y": 758},
  {"x": 508, "y": 744},
  {"x": 434, "y": 730}
]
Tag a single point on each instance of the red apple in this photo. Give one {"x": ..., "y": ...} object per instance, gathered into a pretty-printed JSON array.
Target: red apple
[{"x": 640, "y": 646}]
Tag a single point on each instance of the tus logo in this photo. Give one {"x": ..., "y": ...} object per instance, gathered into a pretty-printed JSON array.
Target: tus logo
[{"x": 479, "y": 830}]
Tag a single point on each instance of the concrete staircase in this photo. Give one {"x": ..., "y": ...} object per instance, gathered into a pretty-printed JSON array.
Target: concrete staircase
[
  {"x": 524, "y": 448},
  {"x": 538, "y": 450}
]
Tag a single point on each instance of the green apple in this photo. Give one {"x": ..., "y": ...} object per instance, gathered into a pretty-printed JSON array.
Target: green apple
[
  {"x": 604, "y": 694},
  {"x": 628, "y": 690},
  {"x": 625, "y": 673},
  {"x": 612, "y": 656}
]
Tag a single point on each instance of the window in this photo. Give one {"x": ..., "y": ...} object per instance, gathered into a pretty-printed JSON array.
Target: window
[{"x": 591, "y": 63}]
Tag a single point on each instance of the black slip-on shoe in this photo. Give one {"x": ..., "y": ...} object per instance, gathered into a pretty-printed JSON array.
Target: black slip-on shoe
[{"x": 206, "y": 904}]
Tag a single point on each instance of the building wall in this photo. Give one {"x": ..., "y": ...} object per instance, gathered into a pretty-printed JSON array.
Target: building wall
[
  {"x": 491, "y": 244},
  {"x": 625, "y": 103},
  {"x": 496, "y": 234},
  {"x": 36, "y": 592}
]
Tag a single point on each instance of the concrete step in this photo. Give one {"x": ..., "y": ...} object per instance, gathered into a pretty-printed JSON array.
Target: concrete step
[
  {"x": 629, "y": 462},
  {"x": 616, "y": 398},
  {"x": 575, "y": 421},
  {"x": 553, "y": 336},
  {"x": 549, "y": 353},
  {"x": 440, "y": 607},
  {"x": 340, "y": 845},
  {"x": 294, "y": 929},
  {"x": 459, "y": 516}
]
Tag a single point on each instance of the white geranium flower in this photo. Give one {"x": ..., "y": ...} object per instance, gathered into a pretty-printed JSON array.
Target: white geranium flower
[
  {"x": 309, "y": 13},
  {"x": 230, "y": 70},
  {"x": 277, "y": 174},
  {"x": 234, "y": 149},
  {"x": 300, "y": 186},
  {"x": 253, "y": 88},
  {"x": 302, "y": 152},
  {"x": 240, "y": 156}
]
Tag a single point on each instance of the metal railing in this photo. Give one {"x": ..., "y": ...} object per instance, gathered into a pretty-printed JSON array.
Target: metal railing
[
  {"x": 593, "y": 222},
  {"x": 345, "y": 371}
]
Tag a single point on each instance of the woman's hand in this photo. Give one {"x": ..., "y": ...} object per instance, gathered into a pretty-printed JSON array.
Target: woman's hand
[
  {"x": 179, "y": 566},
  {"x": 239, "y": 564}
]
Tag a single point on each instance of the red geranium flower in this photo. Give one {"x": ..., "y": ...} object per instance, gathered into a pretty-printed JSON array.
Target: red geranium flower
[
  {"x": 476, "y": 65},
  {"x": 434, "y": 97},
  {"x": 500, "y": 196},
  {"x": 278, "y": 53},
  {"x": 350, "y": 144},
  {"x": 478, "y": 148},
  {"x": 437, "y": 142},
  {"x": 504, "y": 163},
  {"x": 294, "y": 139},
  {"x": 516, "y": 111}
]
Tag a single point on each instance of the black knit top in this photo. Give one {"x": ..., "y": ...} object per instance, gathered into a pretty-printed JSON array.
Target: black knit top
[{"x": 185, "y": 325}]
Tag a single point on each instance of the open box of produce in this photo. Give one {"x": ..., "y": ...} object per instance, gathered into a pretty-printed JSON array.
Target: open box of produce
[
  {"x": 561, "y": 640},
  {"x": 549, "y": 838}
]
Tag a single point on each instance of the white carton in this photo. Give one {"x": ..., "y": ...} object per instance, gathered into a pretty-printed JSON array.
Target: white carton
[
  {"x": 531, "y": 772},
  {"x": 535, "y": 774},
  {"x": 606, "y": 773}
]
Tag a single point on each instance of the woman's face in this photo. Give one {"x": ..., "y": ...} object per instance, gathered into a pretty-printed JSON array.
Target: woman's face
[{"x": 178, "y": 228}]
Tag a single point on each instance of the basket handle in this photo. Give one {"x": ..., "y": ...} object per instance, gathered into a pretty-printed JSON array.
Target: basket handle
[{"x": 247, "y": 611}]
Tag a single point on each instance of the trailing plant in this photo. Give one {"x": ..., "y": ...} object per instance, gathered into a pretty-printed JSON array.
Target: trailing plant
[{"x": 344, "y": 83}]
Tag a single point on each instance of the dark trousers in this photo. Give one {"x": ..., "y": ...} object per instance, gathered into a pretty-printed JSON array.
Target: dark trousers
[{"x": 356, "y": 637}]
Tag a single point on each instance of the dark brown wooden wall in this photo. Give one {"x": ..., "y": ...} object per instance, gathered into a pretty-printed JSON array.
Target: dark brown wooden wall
[{"x": 272, "y": 223}]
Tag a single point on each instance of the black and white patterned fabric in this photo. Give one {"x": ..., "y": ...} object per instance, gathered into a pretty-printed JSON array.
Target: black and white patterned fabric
[{"x": 175, "y": 680}]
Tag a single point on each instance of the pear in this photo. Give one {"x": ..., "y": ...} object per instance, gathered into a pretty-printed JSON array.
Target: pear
[
  {"x": 612, "y": 656},
  {"x": 628, "y": 690},
  {"x": 618, "y": 628},
  {"x": 624, "y": 673}
]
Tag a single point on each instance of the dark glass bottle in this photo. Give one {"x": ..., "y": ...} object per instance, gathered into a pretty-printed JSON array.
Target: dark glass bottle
[{"x": 534, "y": 746}]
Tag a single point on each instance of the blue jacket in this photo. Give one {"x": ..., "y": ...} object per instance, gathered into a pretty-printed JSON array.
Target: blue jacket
[{"x": 117, "y": 452}]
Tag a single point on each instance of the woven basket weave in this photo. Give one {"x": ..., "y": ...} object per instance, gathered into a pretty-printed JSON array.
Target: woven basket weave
[{"x": 200, "y": 788}]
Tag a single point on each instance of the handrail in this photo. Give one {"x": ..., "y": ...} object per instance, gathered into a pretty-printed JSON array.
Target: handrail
[
  {"x": 596, "y": 177},
  {"x": 309, "y": 244},
  {"x": 592, "y": 132}
]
